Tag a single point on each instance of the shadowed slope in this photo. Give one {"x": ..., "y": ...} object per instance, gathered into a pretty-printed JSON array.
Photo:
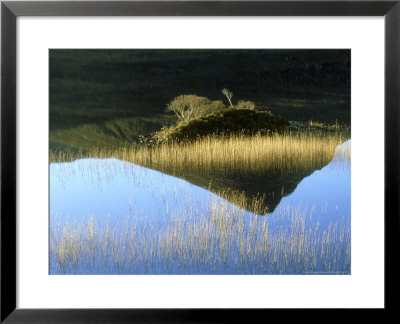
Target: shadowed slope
[{"x": 257, "y": 194}]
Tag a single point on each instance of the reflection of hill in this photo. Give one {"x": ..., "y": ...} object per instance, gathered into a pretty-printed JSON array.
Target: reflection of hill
[
  {"x": 241, "y": 191},
  {"x": 251, "y": 172}
]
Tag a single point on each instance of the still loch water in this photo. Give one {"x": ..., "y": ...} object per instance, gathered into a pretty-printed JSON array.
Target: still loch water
[{"x": 108, "y": 216}]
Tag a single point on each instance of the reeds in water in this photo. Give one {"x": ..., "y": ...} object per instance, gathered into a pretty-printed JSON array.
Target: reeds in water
[
  {"x": 239, "y": 155},
  {"x": 221, "y": 241}
]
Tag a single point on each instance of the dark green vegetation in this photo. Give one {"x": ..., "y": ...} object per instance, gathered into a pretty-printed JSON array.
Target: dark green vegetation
[
  {"x": 226, "y": 122},
  {"x": 110, "y": 97}
]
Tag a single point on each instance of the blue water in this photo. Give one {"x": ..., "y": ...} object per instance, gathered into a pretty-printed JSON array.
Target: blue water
[{"x": 118, "y": 194}]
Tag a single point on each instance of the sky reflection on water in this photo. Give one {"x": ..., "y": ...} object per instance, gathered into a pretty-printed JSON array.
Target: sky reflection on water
[{"x": 111, "y": 190}]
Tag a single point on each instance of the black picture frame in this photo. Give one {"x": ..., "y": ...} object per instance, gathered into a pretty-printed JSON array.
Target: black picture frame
[{"x": 10, "y": 10}]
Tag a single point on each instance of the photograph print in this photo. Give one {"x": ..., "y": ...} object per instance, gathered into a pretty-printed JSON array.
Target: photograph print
[{"x": 200, "y": 161}]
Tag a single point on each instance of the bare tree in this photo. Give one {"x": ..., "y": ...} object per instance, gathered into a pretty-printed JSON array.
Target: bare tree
[{"x": 228, "y": 94}]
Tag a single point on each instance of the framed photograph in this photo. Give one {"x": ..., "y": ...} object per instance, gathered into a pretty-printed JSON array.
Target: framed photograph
[{"x": 186, "y": 161}]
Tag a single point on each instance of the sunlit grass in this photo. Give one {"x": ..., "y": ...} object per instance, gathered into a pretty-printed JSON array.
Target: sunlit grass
[{"x": 240, "y": 155}]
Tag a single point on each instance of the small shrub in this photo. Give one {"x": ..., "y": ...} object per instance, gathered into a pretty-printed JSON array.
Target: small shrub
[
  {"x": 212, "y": 107},
  {"x": 188, "y": 107},
  {"x": 229, "y": 121},
  {"x": 243, "y": 104}
]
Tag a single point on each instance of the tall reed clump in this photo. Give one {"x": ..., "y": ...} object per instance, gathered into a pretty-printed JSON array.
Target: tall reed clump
[
  {"x": 222, "y": 240},
  {"x": 238, "y": 155}
]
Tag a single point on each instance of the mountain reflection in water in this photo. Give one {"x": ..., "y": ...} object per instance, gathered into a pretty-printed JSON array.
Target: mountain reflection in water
[{"x": 111, "y": 192}]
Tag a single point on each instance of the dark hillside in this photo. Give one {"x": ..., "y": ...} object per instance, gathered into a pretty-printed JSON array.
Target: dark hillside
[
  {"x": 227, "y": 122},
  {"x": 105, "y": 96}
]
